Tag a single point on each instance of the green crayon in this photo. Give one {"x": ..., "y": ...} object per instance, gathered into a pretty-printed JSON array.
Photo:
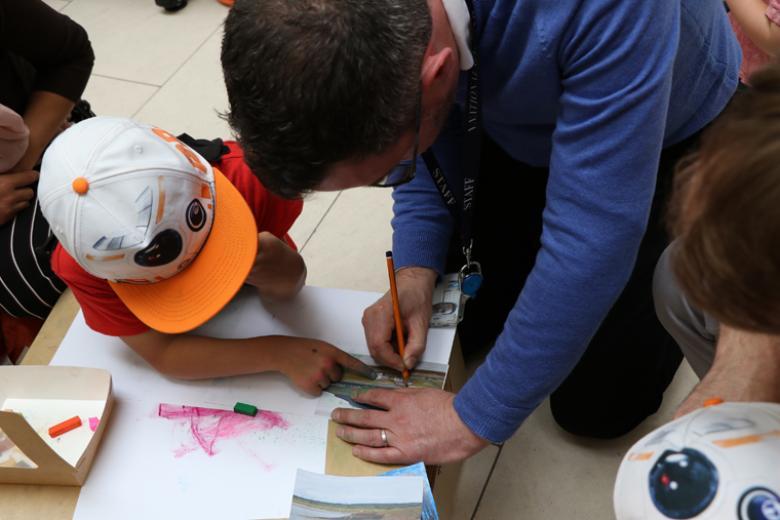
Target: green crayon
[{"x": 245, "y": 409}]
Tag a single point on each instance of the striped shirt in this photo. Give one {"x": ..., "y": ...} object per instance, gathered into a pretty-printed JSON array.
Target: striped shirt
[{"x": 28, "y": 287}]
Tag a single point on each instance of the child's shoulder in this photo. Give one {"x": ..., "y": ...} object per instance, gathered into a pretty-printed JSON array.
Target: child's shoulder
[
  {"x": 264, "y": 204},
  {"x": 103, "y": 310},
  {"x": 69, "y": 270},
  {"x": 237, "y": 171}
]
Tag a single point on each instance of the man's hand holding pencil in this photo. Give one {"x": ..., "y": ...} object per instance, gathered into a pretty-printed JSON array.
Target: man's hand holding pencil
[{"x": 415, "y": 293}]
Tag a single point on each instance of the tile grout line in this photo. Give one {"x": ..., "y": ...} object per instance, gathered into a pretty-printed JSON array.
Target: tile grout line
[
  {"x": 330, "y": 206},
  {"x": 136, "y": 82},
  {"x": 186, "y": 60}
]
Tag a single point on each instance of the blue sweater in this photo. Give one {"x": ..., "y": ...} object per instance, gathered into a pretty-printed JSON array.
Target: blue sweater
[{"x": 593, "y": 89}]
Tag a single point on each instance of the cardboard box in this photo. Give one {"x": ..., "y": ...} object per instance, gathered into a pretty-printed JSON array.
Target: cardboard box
[{"x": 34, "y": 398}]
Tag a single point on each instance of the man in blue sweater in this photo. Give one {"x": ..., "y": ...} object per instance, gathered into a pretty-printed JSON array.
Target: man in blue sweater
[{"x": 550, "y": 130}]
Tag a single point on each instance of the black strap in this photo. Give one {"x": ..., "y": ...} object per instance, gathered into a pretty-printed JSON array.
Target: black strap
[
  {"x": 472, "y": 149},
  {"x": 212, "y": 150}
]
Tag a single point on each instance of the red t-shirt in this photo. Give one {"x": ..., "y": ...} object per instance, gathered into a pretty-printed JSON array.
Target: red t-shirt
[{"x": 104, "y": 312}]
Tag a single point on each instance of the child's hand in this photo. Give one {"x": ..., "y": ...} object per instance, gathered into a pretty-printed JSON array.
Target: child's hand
[
  {"x": 279, "y": 271},
  {"x": 312, "y": 365}
]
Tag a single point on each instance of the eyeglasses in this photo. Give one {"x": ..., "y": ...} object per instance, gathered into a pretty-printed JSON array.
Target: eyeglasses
[{"x": 406, "y": 169}]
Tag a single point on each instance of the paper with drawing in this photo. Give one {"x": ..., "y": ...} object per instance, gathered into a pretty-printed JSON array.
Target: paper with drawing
[
  {"x": 150, "y": 466},
  {"x": 163, "y": 460}
]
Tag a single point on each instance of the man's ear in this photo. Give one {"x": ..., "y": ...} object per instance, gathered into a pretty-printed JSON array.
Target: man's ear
[{"x": 435, "y": 69}]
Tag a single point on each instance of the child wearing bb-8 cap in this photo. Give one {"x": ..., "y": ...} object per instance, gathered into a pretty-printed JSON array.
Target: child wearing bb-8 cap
[{"x": 154, "y": 241}]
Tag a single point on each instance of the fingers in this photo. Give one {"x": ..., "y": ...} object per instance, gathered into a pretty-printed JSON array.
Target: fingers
[
  {"x": 19, "y": 206},
  {"x": 417, "y": 338},
  {"x": 414, "y": 349},
  {"x": 314, "y": 384},
  {"x": 320, "y": 382},
  {"x": 378, "y": 326},
  {"x": 21, "y": 178},
  {"x": 372, "y": 437},
  {"x": 359, "y": 418},
  {"x": 389, "y": 455},
  {"x": 355, "y": 365},
  {"x": 388, "y": 357},
  {"x": 22, "y": 195},
  {"x": 370, "y": 446},
  {"x": 334, "y": 373},
  {"x": 378, "y": 398}
]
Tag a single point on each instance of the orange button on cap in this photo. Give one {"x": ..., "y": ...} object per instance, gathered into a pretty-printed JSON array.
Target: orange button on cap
[
  {"x": 80, "y": 185},
  {"x": 712, "y": 401}
]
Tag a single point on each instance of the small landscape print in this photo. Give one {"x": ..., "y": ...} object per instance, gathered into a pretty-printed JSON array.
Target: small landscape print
[
  {"x": 318, "y": 496},
  {"x": 340, "y": 394},
  {"x": 304, "y": 509}
]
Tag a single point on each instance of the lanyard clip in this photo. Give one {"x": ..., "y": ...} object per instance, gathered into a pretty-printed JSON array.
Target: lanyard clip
[
  {"x": 467, "y": 251},
  {"x": 470, "y": 275}
]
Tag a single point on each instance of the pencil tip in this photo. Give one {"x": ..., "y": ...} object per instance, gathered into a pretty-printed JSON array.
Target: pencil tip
[{"x": 389, "y": 254}]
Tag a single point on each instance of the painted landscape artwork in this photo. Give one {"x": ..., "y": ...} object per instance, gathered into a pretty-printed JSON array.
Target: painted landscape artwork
[
  {"x": 319, "y": 496},
  {"x": 341, "y": 393}
]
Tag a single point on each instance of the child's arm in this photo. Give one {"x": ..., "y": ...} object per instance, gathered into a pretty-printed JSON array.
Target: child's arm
[
  {"x": 45, "y": 116},
  {"x": 279, "y": 271},
  {"x": 310, "y": 364},
  {"x": 751, "y": 16}
]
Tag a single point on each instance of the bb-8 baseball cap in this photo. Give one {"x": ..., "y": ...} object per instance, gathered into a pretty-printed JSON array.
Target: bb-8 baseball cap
[{"x": 135, "y": 206}]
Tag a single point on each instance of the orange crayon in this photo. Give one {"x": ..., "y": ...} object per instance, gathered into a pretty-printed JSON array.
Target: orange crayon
[{"x": 65, "y": 426}]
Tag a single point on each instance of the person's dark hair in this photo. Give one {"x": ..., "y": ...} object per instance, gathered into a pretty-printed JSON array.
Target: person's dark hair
[
  {"x": 726, "y": 213},
  {"x": 314, "y": 82}
]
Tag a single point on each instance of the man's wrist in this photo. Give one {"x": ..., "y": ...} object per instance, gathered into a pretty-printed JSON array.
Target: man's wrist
[
  {"x": 472, "y": 443},
  {"x": 423, "y": 274}
]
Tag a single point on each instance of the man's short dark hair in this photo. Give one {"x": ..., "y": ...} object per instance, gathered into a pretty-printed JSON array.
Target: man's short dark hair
[{"x": 314, "y": 82}]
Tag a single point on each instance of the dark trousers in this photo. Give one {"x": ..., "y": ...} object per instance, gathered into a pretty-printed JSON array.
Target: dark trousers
[{"x": 621, "y": 378}]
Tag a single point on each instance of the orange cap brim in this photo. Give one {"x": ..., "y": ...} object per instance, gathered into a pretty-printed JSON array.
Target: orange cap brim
[{"x": 195, "y": 295}]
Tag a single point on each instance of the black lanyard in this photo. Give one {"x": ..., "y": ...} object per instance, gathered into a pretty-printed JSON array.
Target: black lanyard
[{"x": 472, "y": 147}]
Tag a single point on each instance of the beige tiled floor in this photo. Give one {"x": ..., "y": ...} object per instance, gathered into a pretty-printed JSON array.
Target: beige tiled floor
[{"x": 164, "y": 69}]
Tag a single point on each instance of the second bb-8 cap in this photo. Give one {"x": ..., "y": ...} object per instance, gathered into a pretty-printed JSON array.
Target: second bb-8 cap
[{"x": 137, "y": 207}]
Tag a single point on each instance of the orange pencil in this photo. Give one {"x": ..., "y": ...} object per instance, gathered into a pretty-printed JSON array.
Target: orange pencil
[{"x": 399, "y": 327}]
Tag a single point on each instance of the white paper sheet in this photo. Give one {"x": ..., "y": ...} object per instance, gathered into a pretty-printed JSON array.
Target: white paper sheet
[
  {"x": 136, "y": 474},
  {"x": 132, "y": 377},
  {"x": 332, "y": 315}
]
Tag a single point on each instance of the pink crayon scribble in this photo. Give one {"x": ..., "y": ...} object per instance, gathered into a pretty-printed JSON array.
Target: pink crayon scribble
[
  {"x": 93, "y": 423},
  {"x": 207, "y": 425}
]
